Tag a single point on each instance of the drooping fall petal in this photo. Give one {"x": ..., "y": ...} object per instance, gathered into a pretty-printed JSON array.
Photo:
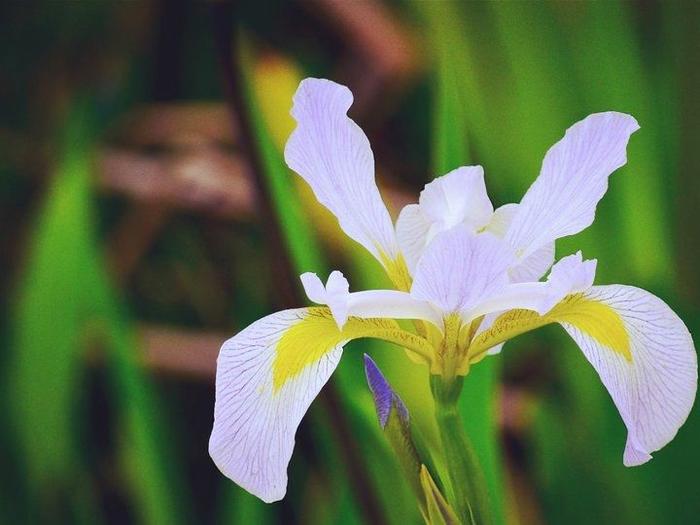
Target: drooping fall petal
[
  {"x": 653, "y": 383},
  {"x": 266, "y": 378},
  {"x": 641, "y": 350}
]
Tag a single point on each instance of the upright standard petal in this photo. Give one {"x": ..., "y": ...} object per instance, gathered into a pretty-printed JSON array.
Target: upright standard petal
[
  {"x": 333, "y": 155},
  {"x": 533, "y": 266},
  {"x": 266, "y": 378},
  {"x": 412, "y": 230},
  {"x": 654, "y": 384},
  {"x": 459, "y": 197},
  {"x": 574, "y": 177},
  {"x": 459, "y": 269}
]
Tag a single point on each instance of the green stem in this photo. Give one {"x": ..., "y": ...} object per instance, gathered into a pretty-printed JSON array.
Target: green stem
[{"x": 469, "y": 494}]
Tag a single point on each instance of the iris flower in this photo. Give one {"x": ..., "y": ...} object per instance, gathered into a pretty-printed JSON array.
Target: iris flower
[{"x": 470, "y": 276}]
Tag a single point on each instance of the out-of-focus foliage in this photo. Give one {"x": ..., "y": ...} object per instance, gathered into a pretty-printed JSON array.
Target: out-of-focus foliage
[
  {"x": 66, "y": 313},
  {"x": 92, "y": 434}
]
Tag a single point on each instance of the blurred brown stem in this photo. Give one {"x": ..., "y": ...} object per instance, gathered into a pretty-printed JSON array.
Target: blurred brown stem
[{"x": 180, "y": 352}]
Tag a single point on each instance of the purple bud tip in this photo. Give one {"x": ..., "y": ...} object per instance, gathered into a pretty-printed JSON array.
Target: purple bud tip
[{"x": 384, "y": 396}]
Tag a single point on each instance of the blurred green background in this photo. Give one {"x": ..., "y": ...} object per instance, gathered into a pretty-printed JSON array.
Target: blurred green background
[{"x": 147, "y": 215}]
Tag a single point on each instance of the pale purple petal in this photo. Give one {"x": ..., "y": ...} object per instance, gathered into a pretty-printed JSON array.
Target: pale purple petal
[
  {"x": 335, "y": 294},
  {"x": 313, "y": 287},
  {"x": 574, "y": 177},
  {"x": 459, "y": 197},
  {"x": 333, "y": 155},
  {"x": 459, "y": 269},
  {"x": 412, "y": 229},
  {"x": 392, "y": 304},
  {"x": 572, "y": 274},
  {"x": 534, "y": 265},
  {"x": 655, "y": 390},
  {"x": 386, "y": 304},
  {"x": 255, "y": 420}
]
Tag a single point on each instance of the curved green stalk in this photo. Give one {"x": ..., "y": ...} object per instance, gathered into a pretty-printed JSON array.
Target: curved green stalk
[{"x": 468, "y": 495}]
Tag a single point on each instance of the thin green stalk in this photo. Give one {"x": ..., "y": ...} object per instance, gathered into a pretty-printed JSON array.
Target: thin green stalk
[{"x": 469, "y": 494}]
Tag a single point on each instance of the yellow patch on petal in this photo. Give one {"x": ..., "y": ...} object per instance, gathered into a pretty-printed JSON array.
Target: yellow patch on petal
[
  {"x": 316, "y": 334},
  {"x": 594, "y": 318},
  {"x": 397, "y": 270},
  {"x": 304, "y": 343}
]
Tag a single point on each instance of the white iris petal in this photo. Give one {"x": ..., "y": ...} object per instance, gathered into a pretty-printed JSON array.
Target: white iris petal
[
  {"x": 457, "y": 198},
  {"x": 332, "y": 154}
]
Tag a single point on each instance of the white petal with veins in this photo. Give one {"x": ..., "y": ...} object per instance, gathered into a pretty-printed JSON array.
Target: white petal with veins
[
  {"x": 412, "y": 229},
  {"x": 655, "y": 391},
  {"x": 535, "y": 265},
  {"x": 459, "y": 197},
  {"x": 392, "y": 304},
  {"x": 332, "y": 154},
  {"x": 255, "y": 421},
  {"x": 574, "y": 177},
  {"x": 335, "y": 294},
  {"x": 459, "y": 268}
]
